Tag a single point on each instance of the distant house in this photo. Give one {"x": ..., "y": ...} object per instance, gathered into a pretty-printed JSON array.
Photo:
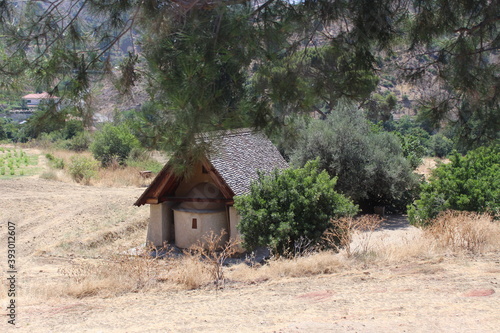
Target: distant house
[
  {"x": 184, "y": 209},
  {"x": 33, "y": 100}
]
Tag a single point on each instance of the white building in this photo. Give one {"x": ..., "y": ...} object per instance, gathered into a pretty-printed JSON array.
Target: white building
[{"x": 33, "y": 100}]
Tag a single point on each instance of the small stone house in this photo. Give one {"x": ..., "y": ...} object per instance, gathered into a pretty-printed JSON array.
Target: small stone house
[{"x": 184, "y": 209}]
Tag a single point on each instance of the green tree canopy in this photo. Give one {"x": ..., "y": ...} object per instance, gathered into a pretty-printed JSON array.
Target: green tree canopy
[
  {"x": 369, "y": 164},
  {"x": 113, "y": 143},
  {"x": 224, "y": 63},
  {"x": 468, "y": 183}
]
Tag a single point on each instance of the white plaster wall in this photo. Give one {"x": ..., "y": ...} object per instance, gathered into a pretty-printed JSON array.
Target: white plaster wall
[
  {"x": 195, "y": 178},
  {"x": 160, "y": 224},
  {"x": 185, "y": 235}
]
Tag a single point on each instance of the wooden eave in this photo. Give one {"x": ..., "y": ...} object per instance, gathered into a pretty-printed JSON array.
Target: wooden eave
[
  {"x": 218, "y": 180},
  {"x": 165, "y": 183},
  {"x": 183, "y": 199}
]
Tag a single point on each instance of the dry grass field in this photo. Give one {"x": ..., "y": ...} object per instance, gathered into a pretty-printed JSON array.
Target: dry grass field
[{"x": 74, "y": 273}]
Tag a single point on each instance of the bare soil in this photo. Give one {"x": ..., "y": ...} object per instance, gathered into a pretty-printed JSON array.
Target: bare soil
[{"x": 58, "y": 224}]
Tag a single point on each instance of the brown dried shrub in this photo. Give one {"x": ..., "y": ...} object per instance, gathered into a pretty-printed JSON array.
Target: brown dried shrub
[
  {"x": 340, "y": 235},
  {"x": 464, "y": 231}
]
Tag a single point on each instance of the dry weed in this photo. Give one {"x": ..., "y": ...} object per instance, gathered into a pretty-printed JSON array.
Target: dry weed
[
  {"x": 121, "y": 176},
  {"x": 115, "y": 276},
  {"x": 188, "y": 271},
  {"x": 340, "y": 235},
  {"x": 465, "y": 231},
  {"x": 324, "y": 262},
  {"x": 215, "y": 255},
  {"x": 50, "y": 175},
  {"x": 390, "y": 248},
  {"x": 452, "y": 232},
  {"x": 66, "y": 155},
  {"x": 123, "y": 274}
]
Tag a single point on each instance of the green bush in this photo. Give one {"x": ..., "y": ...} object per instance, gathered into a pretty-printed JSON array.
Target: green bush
[
  {"x": 71, "y": 129},
  {"x": 46, "y": 120},
  {"x": 141, "y": 159},
  {"x": 79, "y": 142},
  {"x": 56, "y": 163},
  {"x": 113, "y": 143},
  {"x": 468, "y": 183},
  {"x": 413, "y": 149},
  {"x": 82, "y": 169},
  {"x": 288, "y": 206},
  {"x": 440, "y": 145},
  {"x": 369, "y": 164}
]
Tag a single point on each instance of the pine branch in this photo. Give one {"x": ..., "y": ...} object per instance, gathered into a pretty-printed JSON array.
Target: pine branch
[
  {"x": 469, "y": 31},
  {"x": 264, "y": 6},
  {"x": 131, "y": 22},
  {"x": 57, "y": 38}
]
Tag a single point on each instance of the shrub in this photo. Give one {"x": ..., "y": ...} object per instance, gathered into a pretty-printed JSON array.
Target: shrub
[
  {"x": 141, "y": 159},
  {"x": 413, "y": 149},
  {"x": 468, "y": 183},
  {"x": 56, "y": 163},
  {"x": 82, "y": 169},
  {"x": 71, "y": 129},
  {"x": 441, "y": 146},
  {"x": 288, "y": 206},
  {"x": 113, "y": 143},
  {"x": 79, "y": 142},
  {"x": 46, "y": 120},
  {"x": 369, "y": 164}
]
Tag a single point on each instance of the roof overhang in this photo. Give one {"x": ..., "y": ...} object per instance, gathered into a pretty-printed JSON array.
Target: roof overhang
[{"x": 163, "y": 187}]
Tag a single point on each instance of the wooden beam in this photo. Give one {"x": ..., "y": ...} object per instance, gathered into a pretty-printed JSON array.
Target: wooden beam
[
  {"x": 218, "y": 180},
  {"x": 181, "y": 199},
  {"x": 152, "y": 201}
]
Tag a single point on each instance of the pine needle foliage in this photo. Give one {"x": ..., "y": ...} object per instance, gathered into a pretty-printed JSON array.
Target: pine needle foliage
[{"x": 228, "y": 63}]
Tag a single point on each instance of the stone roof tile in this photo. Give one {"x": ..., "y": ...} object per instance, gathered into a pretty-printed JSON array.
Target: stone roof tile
[{"x": 239, "y": 155}]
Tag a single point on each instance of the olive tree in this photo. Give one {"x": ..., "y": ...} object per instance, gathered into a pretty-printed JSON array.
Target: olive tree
[{"x": 368, "y": 163}]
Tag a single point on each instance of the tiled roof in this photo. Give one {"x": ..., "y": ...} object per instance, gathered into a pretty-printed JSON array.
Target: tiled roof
[
  {"x": 235, "y": 157},
  {"x": 44, "y": 95},
  {"x": 238, "y": 155}
]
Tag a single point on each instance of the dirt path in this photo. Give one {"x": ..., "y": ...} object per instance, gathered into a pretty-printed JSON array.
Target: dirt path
[{"x": 416, "y": 297}]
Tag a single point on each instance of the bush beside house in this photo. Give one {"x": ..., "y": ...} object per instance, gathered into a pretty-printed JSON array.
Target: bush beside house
[{"x": 290, "y": 206}]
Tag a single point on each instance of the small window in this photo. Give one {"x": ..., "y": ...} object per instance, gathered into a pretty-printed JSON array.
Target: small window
[
  {"x": 194, "y": 224},
  {"x": 203, "y": 169}
]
